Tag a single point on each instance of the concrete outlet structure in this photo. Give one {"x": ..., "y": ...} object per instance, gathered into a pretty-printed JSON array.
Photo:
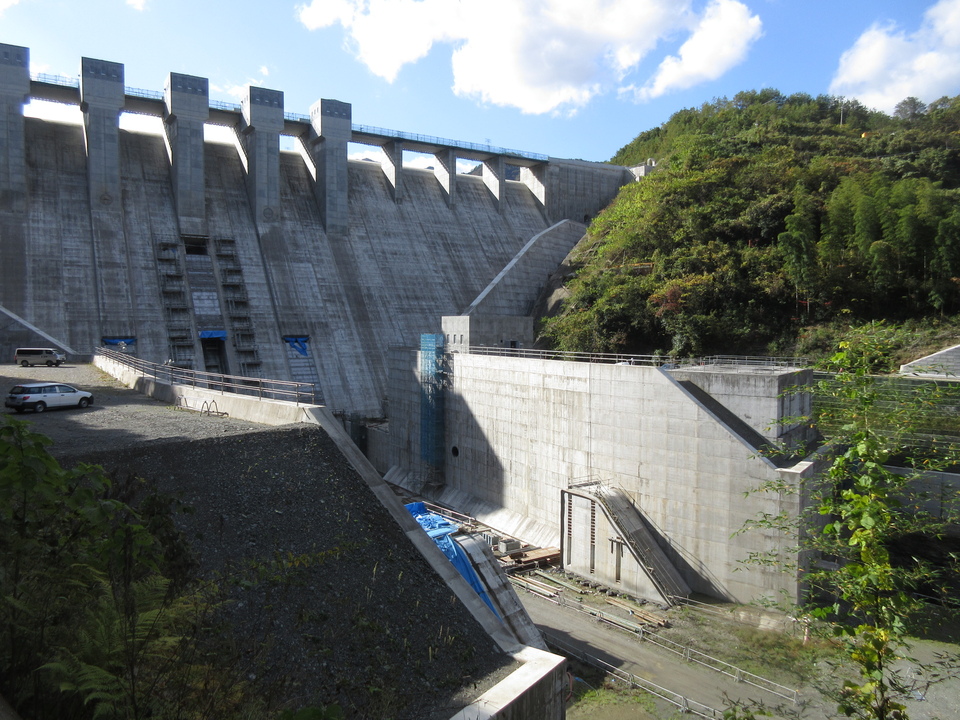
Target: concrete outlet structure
[{"x": 641, "y": 474}]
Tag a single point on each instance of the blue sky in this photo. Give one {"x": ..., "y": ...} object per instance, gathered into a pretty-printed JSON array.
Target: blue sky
[{"x": 567, "y": 78}]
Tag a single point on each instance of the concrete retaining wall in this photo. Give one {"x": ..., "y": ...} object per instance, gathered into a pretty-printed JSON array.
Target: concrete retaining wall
[
  {"x": 519, "y": 431},
  {"x": 535, "y": 691}
]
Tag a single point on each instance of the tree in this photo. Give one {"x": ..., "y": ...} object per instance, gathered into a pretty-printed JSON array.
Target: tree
[
  {"x": 885, "y": 437},
  {"x": 90, "y": 623},
  {"x": 868, "y": 506},
  {"x": 909, "y": 108}
]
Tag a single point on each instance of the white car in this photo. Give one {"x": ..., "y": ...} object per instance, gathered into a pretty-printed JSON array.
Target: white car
[{"x": 40, "y": 396}]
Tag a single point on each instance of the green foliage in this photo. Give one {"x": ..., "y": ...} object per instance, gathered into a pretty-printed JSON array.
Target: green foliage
[
  {"x": 90, "y": 626},
  {"x": 872, "y": 495},
  {"x": 769, "y": 213}
]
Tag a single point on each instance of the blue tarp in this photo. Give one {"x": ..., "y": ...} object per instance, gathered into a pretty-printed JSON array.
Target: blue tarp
[
  {"x": 440, "y": 529},
  {"x": 118, "y": 341},
  {"x": 298, "y": 343},
  {"x": 214, "y": 334}
]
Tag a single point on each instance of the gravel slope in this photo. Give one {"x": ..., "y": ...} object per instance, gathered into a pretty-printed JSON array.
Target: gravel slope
[{"x": 329, "y": 601}]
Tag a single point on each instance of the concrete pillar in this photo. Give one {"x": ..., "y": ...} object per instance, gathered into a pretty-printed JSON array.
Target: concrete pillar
[
  {"x": 14, "y": 93},
  {"x": 331, "y": 122},
  {"x": 262, "y": 111},
  {"x": 493, "y": 174},
  {"x": 393, "y": 167},
  {"x": 187, "y": 109},
  {"x": 101, "y": 100},
  {"x": 446, "y": 171},
  {"x": 535, "y": 178}
]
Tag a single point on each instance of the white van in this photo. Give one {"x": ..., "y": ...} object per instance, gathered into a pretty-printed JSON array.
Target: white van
[{"x": 38, "y": 356}]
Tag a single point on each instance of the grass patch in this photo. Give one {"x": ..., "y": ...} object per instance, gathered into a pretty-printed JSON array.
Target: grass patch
[
  {"x": 615, "y": 697},
  {"x": 777, "y": 656},
  {"x": 592, "y": 689},
  {"x": 785, "y": 659}
]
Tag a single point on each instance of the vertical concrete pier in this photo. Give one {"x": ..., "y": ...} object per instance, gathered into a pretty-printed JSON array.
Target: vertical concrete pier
[
  {"x": 493, "y": 174},
  {"x": 535, "y": 178},
  {"x": 393, "y": 167},
  {"x": 446, "y": 172},
  {"x": 262, "y": 121},
  {"x": 101, "y": 100},
  {"x": 331, "y": 121},
  {"x": 14, "y": 93},
  {"x": 187, "y": 108}
]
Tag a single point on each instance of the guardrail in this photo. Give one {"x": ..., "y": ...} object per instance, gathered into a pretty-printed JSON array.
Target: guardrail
[
  {"x": 684, "y": 704},
  {"x": 63, "y": 80},
  {"x": 688, "y": 653},
  {"x": 570, "y": 356},
  {"x": 261, "y": 388},
  {"x": 650, "y": 360},
  {"x": 749, "y": 360},
  {"x": 431, "y": 140}
]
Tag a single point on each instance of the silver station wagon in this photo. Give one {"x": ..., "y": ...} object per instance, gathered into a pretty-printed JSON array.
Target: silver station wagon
[{"x": 40, "y": 396}]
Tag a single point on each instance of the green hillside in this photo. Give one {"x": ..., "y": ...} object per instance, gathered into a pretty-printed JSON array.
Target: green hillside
[{"x": 768, "y": 218}]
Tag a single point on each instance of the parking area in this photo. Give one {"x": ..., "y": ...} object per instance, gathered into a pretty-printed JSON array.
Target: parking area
[{"x": 118, "y": 418}]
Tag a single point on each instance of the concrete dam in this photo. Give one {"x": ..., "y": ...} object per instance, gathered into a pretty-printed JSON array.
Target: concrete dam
[
  {"x": 250, "y": 260},
  {"x": 378, "y": 282}
]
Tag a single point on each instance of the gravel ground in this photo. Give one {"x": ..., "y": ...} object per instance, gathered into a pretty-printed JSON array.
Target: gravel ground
[
  {"x": 328, "y": 600},
  {"x": 118, "y": 418}
]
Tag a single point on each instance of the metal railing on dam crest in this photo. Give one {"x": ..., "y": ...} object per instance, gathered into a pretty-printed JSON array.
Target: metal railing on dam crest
[
  {"x": 664, "y": 361},
  {"x": 485, "y": 148}
]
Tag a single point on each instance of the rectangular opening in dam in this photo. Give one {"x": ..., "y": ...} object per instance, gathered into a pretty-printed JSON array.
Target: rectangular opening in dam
[
  {"x": 365, "y": 153},
  {"x": 53, "y": 111}
]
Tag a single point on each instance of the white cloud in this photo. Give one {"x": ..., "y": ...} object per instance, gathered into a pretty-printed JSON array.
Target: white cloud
[
  {"x": 137, "y": 4},
  {"x": 4, "y": 4},
  {"x": 886, "y": 65},
  {"x": 541, "y": 55},
  {"x": 386, "y": 34},
  {"x": 720, "y": 41},
  {"x": 236, "y": 91},
  {"x": 240, "y": 91},
  {"x": 365, "y": 152}
]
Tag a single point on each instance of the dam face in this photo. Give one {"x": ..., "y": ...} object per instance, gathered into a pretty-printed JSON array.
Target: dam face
[{"x": 245, "y": 259}]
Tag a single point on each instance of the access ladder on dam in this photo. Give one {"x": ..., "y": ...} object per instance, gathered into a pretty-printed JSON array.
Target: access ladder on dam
[{"x": 628, "y": 521}]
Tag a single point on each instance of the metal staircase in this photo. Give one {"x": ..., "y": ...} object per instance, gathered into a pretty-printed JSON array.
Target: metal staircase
[
  {"x": 237, "y": 307},
  {"x": 177, "y": 310},
  {"x": 628, "y": 521}
]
